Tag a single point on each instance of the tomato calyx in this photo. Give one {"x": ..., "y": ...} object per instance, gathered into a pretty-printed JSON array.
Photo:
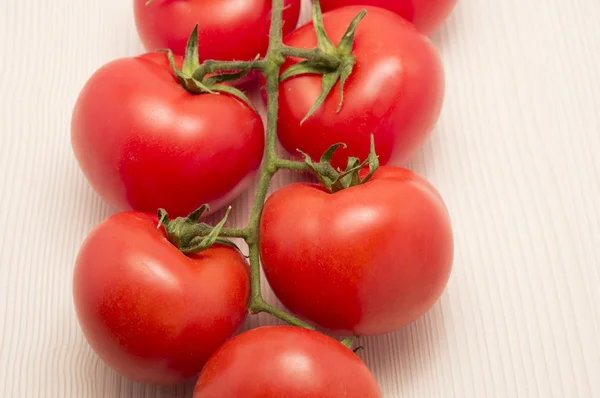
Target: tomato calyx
[
  {"x": 331, "y": 75},
  {"x": 191, "y": 236},
  {"x": 199, "y": 78},
  {"x": 336, "y": 180}
]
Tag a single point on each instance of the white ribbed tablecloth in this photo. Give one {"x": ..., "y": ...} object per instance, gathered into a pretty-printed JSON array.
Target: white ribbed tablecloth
[{"x": 516, "y": 155}]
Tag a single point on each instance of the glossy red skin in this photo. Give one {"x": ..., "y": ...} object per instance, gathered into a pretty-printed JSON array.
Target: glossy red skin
[
  {"x": 227, "y": 29},
  {"x": 366, "y": 260},
  {"x": 426, "y": 15},
  {"x": 145, "y": 143},
  {"x": 395, "y": 92},
  {"x": 150, "y": 312},
  {"x": 285, "y": 362}
]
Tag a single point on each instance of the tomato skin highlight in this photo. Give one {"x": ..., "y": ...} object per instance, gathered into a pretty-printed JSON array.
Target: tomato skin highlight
[
  {"x": 145, "y": 143},
  {"x": 426, "y": 15},
  {"x": 150, "y": 312},
  {"x": 285, "y": 361},
  {"x": 366, "y": 260},
  {"x": 395, "y": 91},
  {"x": 227, "y": 29}
]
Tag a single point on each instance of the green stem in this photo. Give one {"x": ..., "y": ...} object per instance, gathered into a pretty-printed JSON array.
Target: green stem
[
  {"x": 291, "y": 165},
  {"x": 257, "y": 302},
  {"x": 348, "y": 342},
  {"x": 233, "y": 233},
  {"x": 213, "y": 66},
  {"x": 262, "y": 306},
  {"x": 270, "y": 67},
  {"x": 314, "y": 54}
]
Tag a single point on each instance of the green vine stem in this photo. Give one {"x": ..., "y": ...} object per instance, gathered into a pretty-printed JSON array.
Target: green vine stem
[
  {"x": 275, "y": 58},
  {"x": 334, "y": 64}
]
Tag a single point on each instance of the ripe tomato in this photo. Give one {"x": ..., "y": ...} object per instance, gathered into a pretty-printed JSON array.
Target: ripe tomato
[
  {"x": 395, "y": 91},
  {"x": 227, "y": 29},
  {"x": 144, "y": 142},
  {"x": 152, "y": 313},
  {"x": 365, "y": 260},
  {"x": 285, "y": 361},
  {"x": 426, "y": 15}
]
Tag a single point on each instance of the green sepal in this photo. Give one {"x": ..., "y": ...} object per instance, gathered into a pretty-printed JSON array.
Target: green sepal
[
  {"x": 337, "y": 180},
  {"x": 191, "y": 61},
  {"x": 189, "y": 83},
  {"x": 197, "y": 241},
  {"x": 350, "y": 176},
  {"x": 163, "y": 218},
  {"x": 192, "y": 74},
  {"x": 200, "y": 243},
  {"x": 372, "y": 160},
  {"x": 324, "y": 172},
  {"x": 330, "y": 76},
  {"x": 224, "y": 88},
  {"x": 328, "y": 154},
  {"x": 327, "y": 82},
  {"x": 191, "y": 236},
  {"x": 303, "y": 68},
  {"x": 194, "y": 217},
  {"x": 347, "y": 42},
  {"x": 345, "y": 71},
  {"x": 323, "y": 41},
  {"x": 190, "y": 65}
]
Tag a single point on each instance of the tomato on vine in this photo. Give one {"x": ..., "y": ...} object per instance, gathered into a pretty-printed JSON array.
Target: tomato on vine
[
  {"x": 152, "y": 313},
  {"x": 228, "y": 29},
  {"x": 285, "y": 361},
  {"x": 395, "y": 89},
  {"x": 144, "y": 142},
  {"x": 426, "y": 15},
  {"x": 364, "y": 260}
]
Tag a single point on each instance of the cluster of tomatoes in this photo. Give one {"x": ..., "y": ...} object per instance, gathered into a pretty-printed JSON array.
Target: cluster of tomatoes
[{"x": 365, "y": 251}]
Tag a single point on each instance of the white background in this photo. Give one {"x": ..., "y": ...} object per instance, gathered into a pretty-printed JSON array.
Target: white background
[{"x": 516, "y": 155}]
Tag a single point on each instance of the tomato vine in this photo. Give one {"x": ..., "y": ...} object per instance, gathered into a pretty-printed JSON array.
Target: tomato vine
[{"x": 371, "y": 248}]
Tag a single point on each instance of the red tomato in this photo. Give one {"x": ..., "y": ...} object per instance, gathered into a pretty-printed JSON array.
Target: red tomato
[
  {"x": 227, "y": 29},
  {"x": 426, "y": 15},
  {"x": 144, "y": 142},
  {"x": 152, "y": 313},
  {"x": 285, "y": 362},
  {"x": 365, "y": 260},
  {"x": 395, "y": 91}
]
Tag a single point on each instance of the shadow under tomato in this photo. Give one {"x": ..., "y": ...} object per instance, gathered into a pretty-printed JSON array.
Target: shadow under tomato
[
  {"x": 105, "y": 382},
  {"x": 408, "y": 357}
]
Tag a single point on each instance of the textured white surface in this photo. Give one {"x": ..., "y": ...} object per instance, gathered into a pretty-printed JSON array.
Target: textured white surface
[{"x": 516, "y": 156}]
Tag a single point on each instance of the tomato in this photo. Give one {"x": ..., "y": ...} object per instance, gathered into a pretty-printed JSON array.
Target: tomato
[
  {"x": 365, "y": 260},
  {"x": 426, "y": 15},
  {"x": 395, "y": 91},
  {"x": 227, "y": 29},
  {"x": 152, "y": 313},
  {"x": 144, "y": 142},
  {"x": 285, "y": 361}
]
